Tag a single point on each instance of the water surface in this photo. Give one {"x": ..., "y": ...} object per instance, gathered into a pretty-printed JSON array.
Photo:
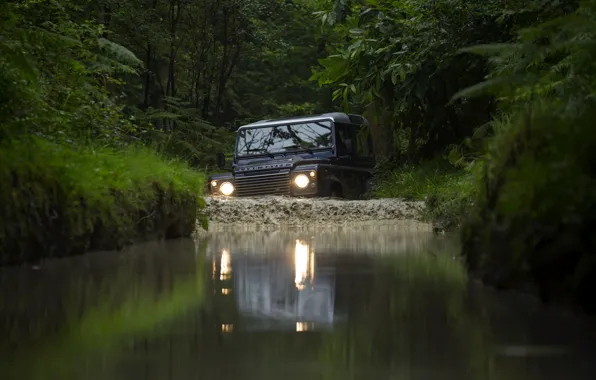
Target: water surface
[{"x": 386, "y": 301}]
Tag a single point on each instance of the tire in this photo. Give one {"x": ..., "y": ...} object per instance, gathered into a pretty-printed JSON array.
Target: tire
[{"x": 335, "y": 191}]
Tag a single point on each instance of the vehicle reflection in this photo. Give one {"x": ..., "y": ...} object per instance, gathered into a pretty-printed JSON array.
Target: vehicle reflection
[
  {"x": 225, "y": 266},
  {"x": 304, "y": 326},
  {"x": 303, "y": 264},
  {"x": 265, "y": 294}
]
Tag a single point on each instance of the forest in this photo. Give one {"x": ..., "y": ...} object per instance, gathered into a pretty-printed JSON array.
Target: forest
[{"x": 111, "y": 113}]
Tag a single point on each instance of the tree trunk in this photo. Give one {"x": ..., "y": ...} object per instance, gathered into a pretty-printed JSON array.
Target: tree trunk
[
  {"x": 381, "y": 129},
  {"x": 222, "y": 68},
  {"x": 382, "y": 123},
  {"x": 148, "y": 58},
  {"x": 107, "y": 18}
]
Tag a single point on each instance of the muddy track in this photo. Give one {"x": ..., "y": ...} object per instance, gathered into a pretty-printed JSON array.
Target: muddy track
[{"x": 275, "y": 210}]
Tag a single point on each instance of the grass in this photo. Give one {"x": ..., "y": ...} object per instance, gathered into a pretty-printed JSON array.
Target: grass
[
  {"x": 58, "y": 199},
  {"x": 446, "y": 190}
]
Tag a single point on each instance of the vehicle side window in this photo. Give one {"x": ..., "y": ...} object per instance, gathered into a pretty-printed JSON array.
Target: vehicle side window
[
  {"x": 342, "y": 133},
  {"x": 363, "y": 142}
]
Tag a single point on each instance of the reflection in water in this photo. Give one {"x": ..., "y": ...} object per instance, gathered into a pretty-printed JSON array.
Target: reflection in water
[
  {"x": 263, "y": 291},
  {"x": 82, "y": 312},
  {"x": 225, "y": 266},
  {"x": 157, "y": 312},
  {"x": 304, "y": 326},
  {"x": 303, "y": 263},
  {"x": 390, "y": 237},
  {"x": 214, "y": 268}
]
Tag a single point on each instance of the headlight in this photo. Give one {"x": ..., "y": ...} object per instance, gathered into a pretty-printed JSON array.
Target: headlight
[
  {"x": 226, "y": 188},
  {"x": 301, "y": 180}
]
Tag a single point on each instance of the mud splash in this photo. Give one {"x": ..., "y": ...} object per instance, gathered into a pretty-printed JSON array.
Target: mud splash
[{"x": 298, "y": 211}]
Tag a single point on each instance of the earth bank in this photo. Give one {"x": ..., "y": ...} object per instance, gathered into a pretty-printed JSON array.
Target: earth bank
[{"x": 59, "y": 200}]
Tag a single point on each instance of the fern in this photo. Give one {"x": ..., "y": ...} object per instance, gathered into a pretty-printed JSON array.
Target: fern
[
  {"x": 530, "y": 68},
  {"x": 119, "y": 53}
]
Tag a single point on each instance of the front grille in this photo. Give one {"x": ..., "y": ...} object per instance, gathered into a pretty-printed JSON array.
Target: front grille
[{"x": 277, "y": 183}]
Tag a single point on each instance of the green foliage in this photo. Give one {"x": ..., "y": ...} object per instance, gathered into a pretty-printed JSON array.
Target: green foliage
[
  {"x": 188, "y": 137},
  {"x": 55, "y": 73},
  {"x": 402, "y": 57},
  {"x": 536, "y": 197},
  {"x": 273, "y": 79},
  {"x": 110, "y": 72},
  {"x": 447, "y": 191},
  {"x": 59, "y": 199},
  {"x": 400, "y": 61}
]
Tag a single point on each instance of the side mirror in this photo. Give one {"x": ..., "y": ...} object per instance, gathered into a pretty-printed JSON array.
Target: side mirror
[
  {"x": 349, "y": 146},
  {"x": 221, "y": 160}
]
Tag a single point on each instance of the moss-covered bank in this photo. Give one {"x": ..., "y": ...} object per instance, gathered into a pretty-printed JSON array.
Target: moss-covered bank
[{"x": 59, "y": 200}]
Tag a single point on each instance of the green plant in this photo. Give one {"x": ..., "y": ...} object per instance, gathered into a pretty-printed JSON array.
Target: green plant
[
  {"x": 446, "y": 190},
  {"x": 59, "y": 198},
  {"x": 535, "y": 199}
]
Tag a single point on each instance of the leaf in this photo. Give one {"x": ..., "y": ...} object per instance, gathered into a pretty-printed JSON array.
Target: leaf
[
  {"x": 204, "y": 222},
  {"x": 18, "y": 59},
  {"x": 492, "y": 49},
  {"x": 65, "y": 40},
  {"x": 336, "y": 94},
  {"x": 121, "y": 54},
  {"x": 367, "y": 10},
  {"x": 483, "y": 88}
]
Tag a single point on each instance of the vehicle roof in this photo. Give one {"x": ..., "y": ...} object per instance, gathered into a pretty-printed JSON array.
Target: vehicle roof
[{"x": 334, "y": 116}]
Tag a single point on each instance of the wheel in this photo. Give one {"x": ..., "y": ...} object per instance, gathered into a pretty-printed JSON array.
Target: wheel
[
  {"x": 335, "y": 191},
  {"x": 370, "y": 185}
]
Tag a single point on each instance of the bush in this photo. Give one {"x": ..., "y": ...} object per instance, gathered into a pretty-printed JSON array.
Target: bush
[
  {"x": 58, "y": 200},
  {"x": 536, "y": 203},
  {"x": 445, "y": 189}
]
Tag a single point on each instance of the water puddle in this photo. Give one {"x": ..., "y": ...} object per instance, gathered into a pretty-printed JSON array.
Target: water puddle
[{"x": 387, "y": 301}]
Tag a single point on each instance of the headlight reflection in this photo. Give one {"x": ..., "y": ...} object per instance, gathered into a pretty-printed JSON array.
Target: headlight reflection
[
  {"x": 304, "y": 326},
  {"x": 225, "y": 265},
  {"x": 304, "y": 264}
]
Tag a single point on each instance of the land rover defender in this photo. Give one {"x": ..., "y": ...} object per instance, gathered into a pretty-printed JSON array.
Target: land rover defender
[{"x": 329, "y": 155}]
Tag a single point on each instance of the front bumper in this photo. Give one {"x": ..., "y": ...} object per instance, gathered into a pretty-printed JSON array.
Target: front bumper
[{"x": 283, "y": 183}]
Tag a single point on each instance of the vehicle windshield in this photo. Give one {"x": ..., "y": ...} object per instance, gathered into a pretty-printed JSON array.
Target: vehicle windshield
[{"x": 284, "y": 138}]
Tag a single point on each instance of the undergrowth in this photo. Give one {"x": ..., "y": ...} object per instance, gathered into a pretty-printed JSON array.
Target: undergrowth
[
  {"x": 532, "y": 224},
  {"x": 445, "y": 189},
  {"x": 58, "y": 199}
]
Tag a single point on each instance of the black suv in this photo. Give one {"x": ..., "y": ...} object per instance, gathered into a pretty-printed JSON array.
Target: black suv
[{"x": 329, "y": 155}]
